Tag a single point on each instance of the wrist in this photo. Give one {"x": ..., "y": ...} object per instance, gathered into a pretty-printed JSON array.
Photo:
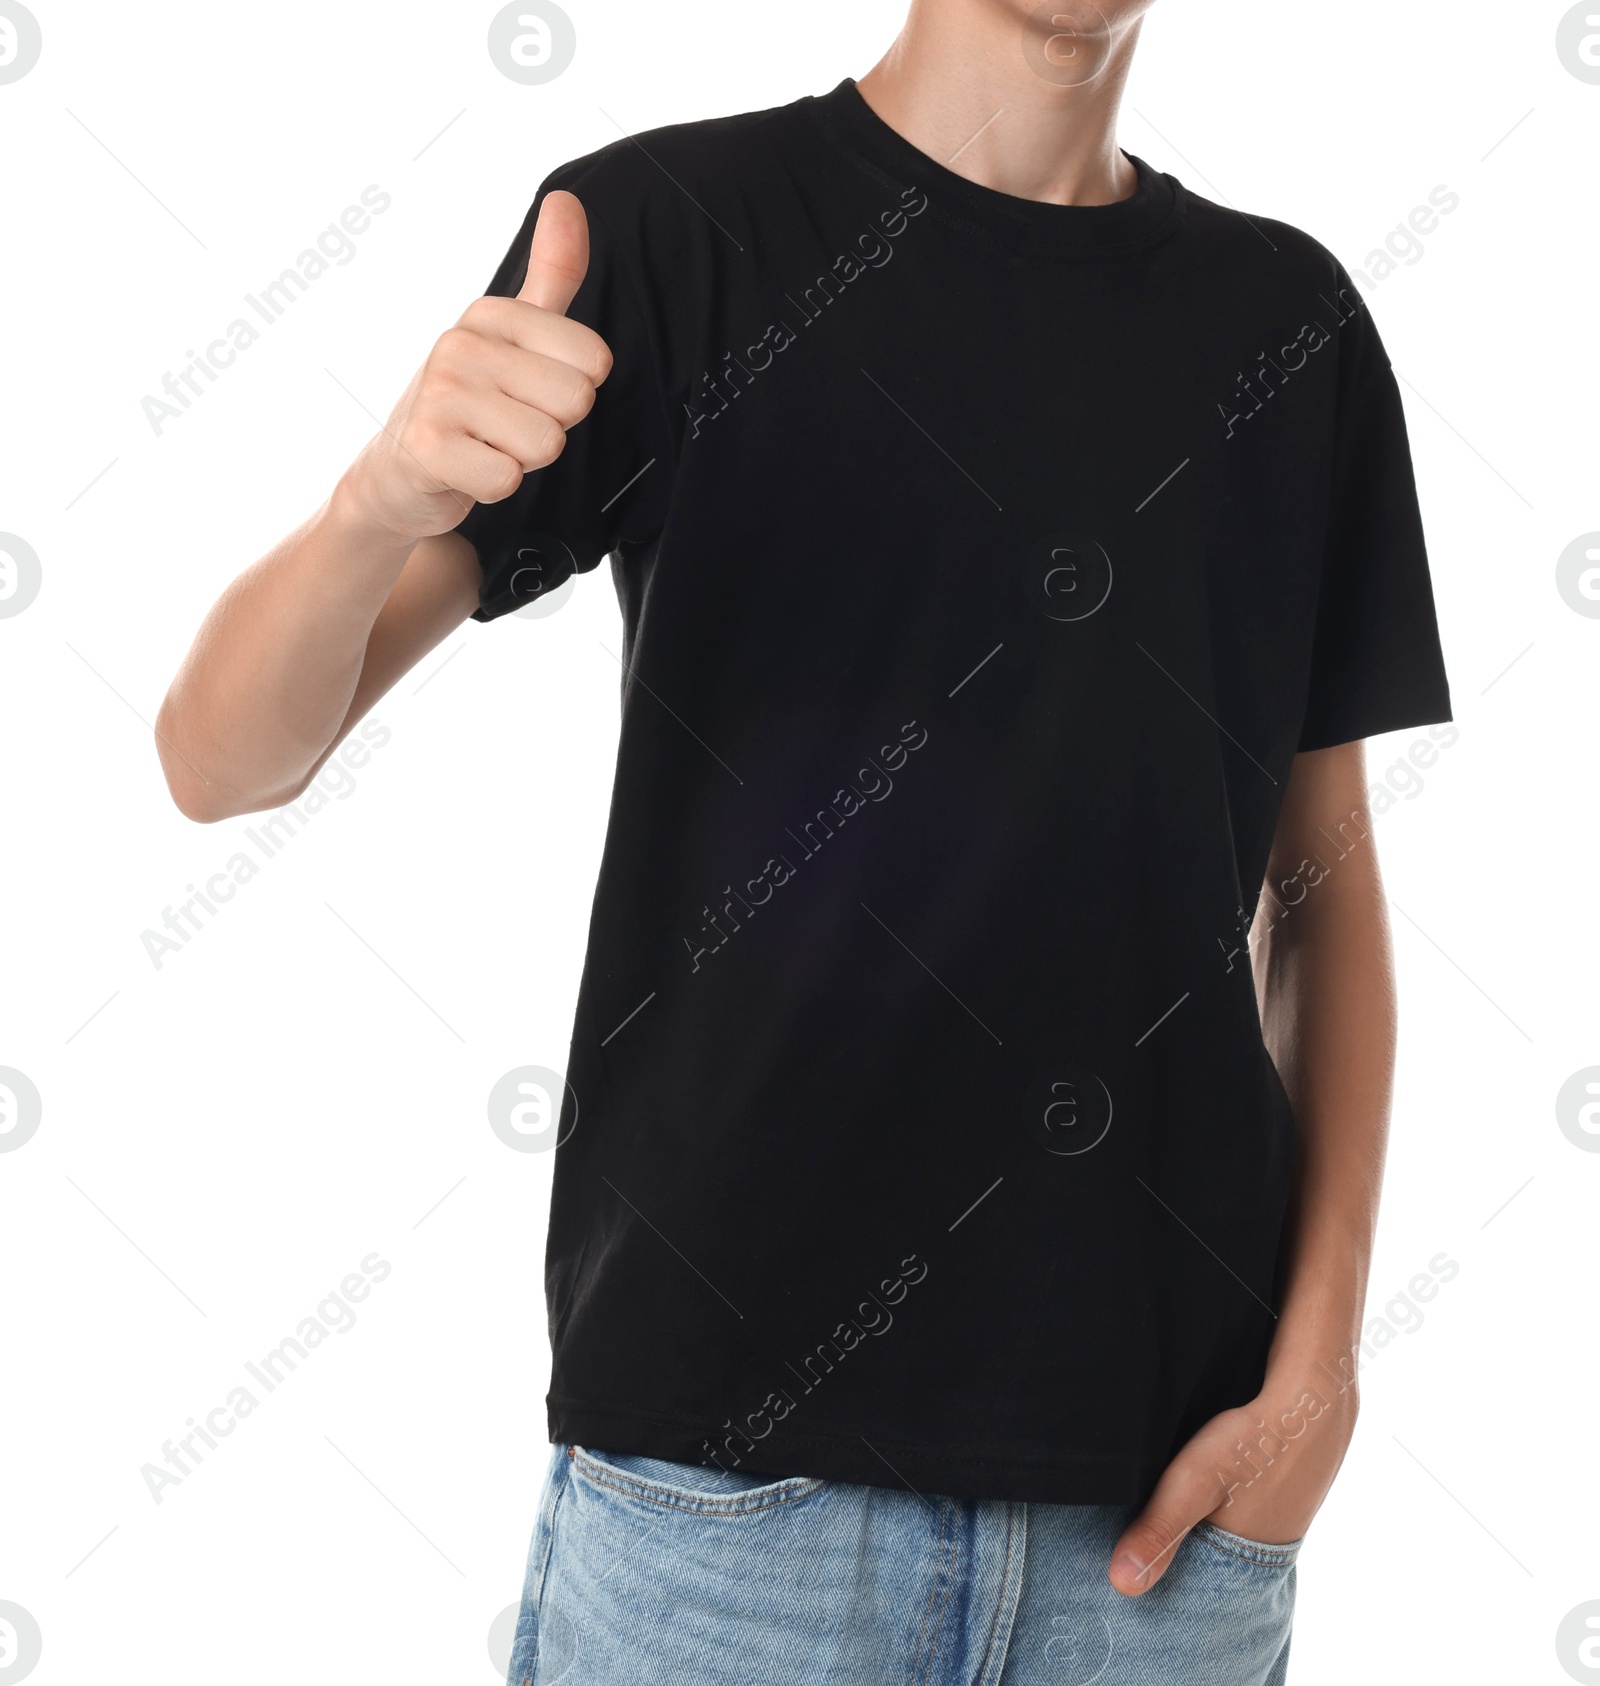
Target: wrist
[
  {"x": 1319, "y": 1322},
  {"x": 346, "y": 561},
  {"x": 359, "y": 519},
  {"x": 1323, "y": 1355}
]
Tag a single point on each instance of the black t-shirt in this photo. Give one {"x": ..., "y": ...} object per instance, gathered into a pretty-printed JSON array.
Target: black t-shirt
[{"x": 984, "y": 564}]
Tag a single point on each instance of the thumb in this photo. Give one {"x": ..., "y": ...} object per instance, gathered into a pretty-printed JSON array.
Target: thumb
[
  {"x": 558, "y": 258},
  {"x": 1145, "y": 1551}
]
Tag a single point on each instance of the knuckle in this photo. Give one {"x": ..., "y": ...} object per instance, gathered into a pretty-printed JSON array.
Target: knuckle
[
  {"x": 549, "y": 440},
  {"x": 496, "y": 484},
  {"x": 1157, "y": 1537},
  {"x": 423, "y": 435},
  {"x": 453, "y": 353},
  {"x": 452, "y": 344},
  {"x": 578, "y": 400},
  {"x": 483, "y": 315}
]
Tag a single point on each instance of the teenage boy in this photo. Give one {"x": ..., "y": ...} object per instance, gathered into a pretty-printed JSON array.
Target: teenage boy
[{"x": 1013, "y": 550}]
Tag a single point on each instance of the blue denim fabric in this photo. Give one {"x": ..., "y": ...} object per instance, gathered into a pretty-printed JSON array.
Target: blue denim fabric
[{"x": 645, "y": 1572}]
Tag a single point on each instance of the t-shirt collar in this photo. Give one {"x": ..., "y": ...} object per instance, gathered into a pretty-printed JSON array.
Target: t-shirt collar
[{"x": 1151, "y": 210}]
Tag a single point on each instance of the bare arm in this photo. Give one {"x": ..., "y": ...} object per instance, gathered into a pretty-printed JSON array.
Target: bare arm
[
  {"x": 303, "y": 642},
  {"x": 1324, "y": 980},
  {"x": 295, "y": 652}
]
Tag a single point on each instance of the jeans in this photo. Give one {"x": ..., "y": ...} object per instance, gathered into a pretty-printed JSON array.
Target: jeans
[{"x": 644, "y": 1573}]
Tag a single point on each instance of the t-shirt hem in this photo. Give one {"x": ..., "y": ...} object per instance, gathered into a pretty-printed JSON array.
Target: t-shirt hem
[{"x": 866, "y": 1457}]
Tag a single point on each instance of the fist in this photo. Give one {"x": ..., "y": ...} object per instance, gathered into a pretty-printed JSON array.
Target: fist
[{"x": 496, "y": 396}]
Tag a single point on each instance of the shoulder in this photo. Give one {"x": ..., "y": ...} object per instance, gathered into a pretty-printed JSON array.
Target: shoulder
[
  {"x": 1260, "y": 252},
  {"x": 660, "y": 172},
  {"x": 1260, "y": 279}
]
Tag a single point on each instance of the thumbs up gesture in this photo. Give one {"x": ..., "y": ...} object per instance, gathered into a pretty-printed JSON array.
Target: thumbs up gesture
[{"x": 496, "y": 396}]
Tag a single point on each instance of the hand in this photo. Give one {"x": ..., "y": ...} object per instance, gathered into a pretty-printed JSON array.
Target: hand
[
  {"x": 1261, "y": 1470},
  {"x": 495, "y": 397}
]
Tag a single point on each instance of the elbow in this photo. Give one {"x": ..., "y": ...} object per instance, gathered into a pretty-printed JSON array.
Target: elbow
[
  {"x": 196, "y": 808},
  {"x": 195, "y": 794},
  {"x": 206, "y": 787},
  {"x": 205, "y": 801}
]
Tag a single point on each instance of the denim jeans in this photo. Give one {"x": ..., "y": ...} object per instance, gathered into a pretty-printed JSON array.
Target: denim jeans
[{"x": 645, "y": 1573}]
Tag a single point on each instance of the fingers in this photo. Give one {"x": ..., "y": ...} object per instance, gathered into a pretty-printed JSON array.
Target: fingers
[
  {"x": 545, "y": 383},
  {"x": 532, "y": 329},
  {"x": 558, "y": 257},
  {"x": 482, "y": 450},
  {"x": 470, "y": 470},
  {"x": 528, "y": 436},
  {"x": 465, "y": 364},
  {"x": 1185, "y": 1495}
]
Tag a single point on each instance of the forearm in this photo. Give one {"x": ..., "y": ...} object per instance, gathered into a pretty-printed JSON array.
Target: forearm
[
  {"x": 274, "y": 667},
  {"x": 1324, "y": 981},
  {"x": 1325, "y": 977}
]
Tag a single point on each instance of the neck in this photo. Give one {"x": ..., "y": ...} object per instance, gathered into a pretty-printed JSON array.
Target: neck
[{"x": 1013, "y": 102}]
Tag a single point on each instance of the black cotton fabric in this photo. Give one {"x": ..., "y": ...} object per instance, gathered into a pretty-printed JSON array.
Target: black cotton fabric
[{"x": 983, "y": 566}]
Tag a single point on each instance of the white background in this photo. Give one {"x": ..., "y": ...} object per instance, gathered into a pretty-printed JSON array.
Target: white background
[{"x": 229, "y": 1135}]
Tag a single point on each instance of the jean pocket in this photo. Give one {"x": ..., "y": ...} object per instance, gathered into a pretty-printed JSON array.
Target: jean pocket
[
  {"x": 1236, "y": 1546},
  {"x": 688, "y": 1487}
]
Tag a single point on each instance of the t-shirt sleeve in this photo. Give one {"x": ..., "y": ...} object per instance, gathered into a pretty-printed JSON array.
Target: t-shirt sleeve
[
  {"x": 1376, "y": 662},
  {"x": 608, "y": 489}
]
